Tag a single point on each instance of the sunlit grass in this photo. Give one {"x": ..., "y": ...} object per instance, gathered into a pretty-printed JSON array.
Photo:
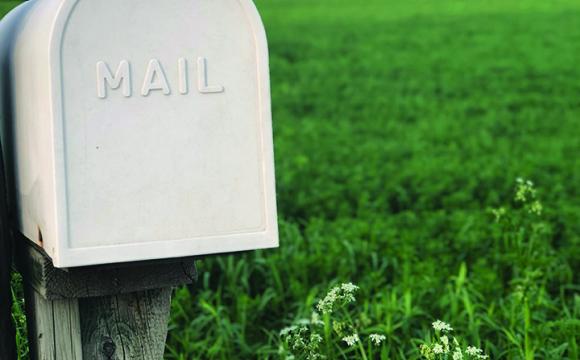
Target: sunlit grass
[{"x": 398, "y": 127}]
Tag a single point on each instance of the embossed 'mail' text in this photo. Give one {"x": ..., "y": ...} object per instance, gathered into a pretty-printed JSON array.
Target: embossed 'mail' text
[{"x": 154, "y": 79}]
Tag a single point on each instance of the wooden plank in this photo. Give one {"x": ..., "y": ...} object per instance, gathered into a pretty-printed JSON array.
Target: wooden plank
[
  {"x": 118, "y": 327},
  {"x": 128, "y": 326},
  {"x": 103, "y": 280},
  {"x": 54, "y": 327}
]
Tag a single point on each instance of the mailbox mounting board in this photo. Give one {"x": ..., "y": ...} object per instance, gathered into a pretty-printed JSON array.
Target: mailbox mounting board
[{"x": 141, "y": 128}]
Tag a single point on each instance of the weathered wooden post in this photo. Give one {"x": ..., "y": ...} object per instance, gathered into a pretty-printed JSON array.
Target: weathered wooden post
[
  {"x": 141, "y": 137},
  {"x": 7, "y": 339},
  {"x": 99, "y": 312}
]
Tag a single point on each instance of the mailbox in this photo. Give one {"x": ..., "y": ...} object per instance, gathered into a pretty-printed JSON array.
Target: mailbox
[{"x": 140, "y": 129}]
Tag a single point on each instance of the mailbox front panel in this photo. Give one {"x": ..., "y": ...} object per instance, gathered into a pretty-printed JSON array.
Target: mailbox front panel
[
  {"x": 175, "y": 151},
  {"x": 161, "y": 129}
]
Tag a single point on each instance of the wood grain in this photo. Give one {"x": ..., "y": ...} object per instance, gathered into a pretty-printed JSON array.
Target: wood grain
[
  {"x": 128, "y": 326},
  {"x": 104, "y": 280},
  {"x": 53, "y": 327},
  {"x": 110, "y": 312},
  {"x": 119, "y": 327}
]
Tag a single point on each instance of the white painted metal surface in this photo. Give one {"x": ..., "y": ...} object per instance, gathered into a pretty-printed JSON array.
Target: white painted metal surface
[{"x": 142, "y": 128}]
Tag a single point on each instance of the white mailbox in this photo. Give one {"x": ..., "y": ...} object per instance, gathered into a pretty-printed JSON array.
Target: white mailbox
[{"x": 141, "y": 129}]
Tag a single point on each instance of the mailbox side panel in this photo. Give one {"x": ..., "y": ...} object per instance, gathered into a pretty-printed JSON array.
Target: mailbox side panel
[
  {"x": 179, "y": 163},
  {"x": 8, "y": 28},
  {"x": 31, "y": 131}
]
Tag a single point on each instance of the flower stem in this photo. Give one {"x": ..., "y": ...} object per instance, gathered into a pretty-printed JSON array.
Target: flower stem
[{"x": 362, "y": 350}]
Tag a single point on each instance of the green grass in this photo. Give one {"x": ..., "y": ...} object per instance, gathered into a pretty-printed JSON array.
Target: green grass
[
  {"x": 7, "y": 5},
  {"x": 19, "y": 317},
  {"x": 398, "y": 125}
]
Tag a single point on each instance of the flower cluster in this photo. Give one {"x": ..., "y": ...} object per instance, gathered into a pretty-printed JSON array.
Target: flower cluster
[
  {"x": 444, "y": 347},
  {"x": 476, "y": 353},
  {"x": 441, "y": 326},
  {"x": 377, "y": 339},
  {"x": 524, "y": 190},
  {"x": 351, "y": 340},
  {"x": 526, "y": 194},
  {"x": 301, "y": 340},
  {"x": 334, "y": 319},
  {"x": 457, "y": 354},
  {"x": 342, "y": 294}
]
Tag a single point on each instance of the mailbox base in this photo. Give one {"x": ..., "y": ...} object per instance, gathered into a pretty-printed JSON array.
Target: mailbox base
[
  {"x": 99, "y": 312},
  {"x": 101, "y": 280}
]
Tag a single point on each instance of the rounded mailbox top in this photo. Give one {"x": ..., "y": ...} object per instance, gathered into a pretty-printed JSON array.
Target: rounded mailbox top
[{"x": 153, "y": 124}]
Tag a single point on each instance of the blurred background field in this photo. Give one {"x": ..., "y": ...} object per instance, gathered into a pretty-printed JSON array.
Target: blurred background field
[{"x": 399, "y": 126}]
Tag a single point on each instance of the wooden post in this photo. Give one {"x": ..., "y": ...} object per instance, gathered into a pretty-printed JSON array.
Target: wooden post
[
  {"x": 125, "y": 326},
  {"x": 7, "y": 339},
  {"x": 100, "y": 312}
]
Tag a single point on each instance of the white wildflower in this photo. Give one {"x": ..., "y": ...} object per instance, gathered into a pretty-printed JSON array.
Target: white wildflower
[
  {"x": 441, "y": 326},
  {"x": 476, "y": 352},
  {"x": 338, "y": 326},
  {"x": 351, "y": 339},
  {"x": 438, "y": 349},
  {"x": 338, "y": 294},
  {"x": 348, "y": 291},
  {"x": 473, "y": 351},
  {"x": 287, "y": 330},
  {"x": 525, "y": 191},
  {"x": 457, "y": 355},
  {"x": 535, "y": 208},
  {"x": 296, "y": 342},
  {"x": 325, "y": 305},
  {"x": 349, "y": 287},
  {"x": 377, "y": 339},
  {"x": 315, "y": 338},
  {"x": 425, "y": 350},
  {"x": 315, "y": 319},
  {"x": 445, "y": 341}
]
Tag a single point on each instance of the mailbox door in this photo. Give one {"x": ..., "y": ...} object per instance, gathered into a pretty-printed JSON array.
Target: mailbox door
[{"x": 162, "y": 130}]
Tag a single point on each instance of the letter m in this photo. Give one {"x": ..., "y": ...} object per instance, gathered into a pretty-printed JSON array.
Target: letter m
[{"x": 122, "y": 76}]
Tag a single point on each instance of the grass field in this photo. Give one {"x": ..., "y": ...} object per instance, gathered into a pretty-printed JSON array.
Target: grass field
[{"x": 399, "y": 126}]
